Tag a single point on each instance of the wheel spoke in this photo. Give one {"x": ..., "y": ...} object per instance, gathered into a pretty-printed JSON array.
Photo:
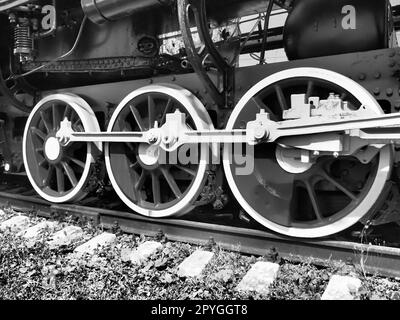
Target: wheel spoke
[
  {"x": 281, "y": 97},
  {"x": 130, "y": 146},
  {"x": 126, "y": 177},
  {"x": 14, "y": 89},
  {"x": 70, "y": 174},
  {"x": 314, "y": 201},
  {"x": 67, "y": 112},
  {"x": 50, "y": 172},
  {"x": 187, "y": 170},
  {"x": 152, "y": 110},
  {"x": 128, "y": 126},
  {"x": 258, "y": 103},
  {"x": 77, "y": 161},
  {"x": 310, "y": 89},
  {"x": 339, "y": 186},
  {"x": 60, "y": 180},
  {"x": 74, "y": 116},
  {"x": 39, "y": 133},
  {"x": 77, "y": 126},
  {"x": 73, "y": 147},
  {"x": 56, "y": 117},
  {"x": 47, "y": 125},
  {"x": 134, "y": 166},
  {"x": 171, "y": 182},
  {"x": 138, "y": 118},
  {"x": 42, "y": 162},
  {"x": 122, "y": 125},
  {"x": 167, "y": 107},
  {"x": 140, "y": 183},
  {"x": 156, "y": 189}
]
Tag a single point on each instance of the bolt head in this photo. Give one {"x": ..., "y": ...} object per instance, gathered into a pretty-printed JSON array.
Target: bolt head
[
  {"x": 377, "y": 75},
  {"x": 377, "y": 91},
  {"x": 152, "y": 138},
  {"x": 259, "y": 132}
]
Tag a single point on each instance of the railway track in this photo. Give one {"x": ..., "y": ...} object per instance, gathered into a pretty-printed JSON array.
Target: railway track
[{"x": 374, "y": 259}]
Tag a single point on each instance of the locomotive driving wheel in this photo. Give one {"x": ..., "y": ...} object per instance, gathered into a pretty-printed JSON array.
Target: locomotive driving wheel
[
  {"x": 293, "y": 197},
  {"x": 58, "y": 173},
  {"x": 150, "y": 181}
]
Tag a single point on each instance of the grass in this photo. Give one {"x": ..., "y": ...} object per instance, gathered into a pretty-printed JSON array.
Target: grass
[{"x": 41, "y": 273}]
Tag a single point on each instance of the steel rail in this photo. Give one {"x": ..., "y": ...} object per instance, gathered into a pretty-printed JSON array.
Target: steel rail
[{"x": 383, "y": 261}]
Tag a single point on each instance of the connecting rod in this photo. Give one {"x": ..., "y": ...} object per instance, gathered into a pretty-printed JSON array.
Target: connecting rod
[{"x": 383, "y": 129}]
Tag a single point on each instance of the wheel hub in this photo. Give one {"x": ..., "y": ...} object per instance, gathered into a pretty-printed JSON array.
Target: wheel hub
[
  {"x": 148, "y": 155},
  {"x": 293, "y": 160},
  {"x": 52, "y": 148}
]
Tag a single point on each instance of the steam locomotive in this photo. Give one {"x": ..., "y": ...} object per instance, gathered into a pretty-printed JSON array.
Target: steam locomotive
[{"x": 306, "y": 147}]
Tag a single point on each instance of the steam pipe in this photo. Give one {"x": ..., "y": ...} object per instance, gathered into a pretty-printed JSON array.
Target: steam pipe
[{"x": 100, "y": 11}]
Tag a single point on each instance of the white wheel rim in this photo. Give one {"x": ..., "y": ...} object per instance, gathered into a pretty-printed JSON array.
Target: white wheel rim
[
  {"x": 202, "y": 121},
  {"x": 383, "y": 172},
  {"x": 90, "y": 124}
]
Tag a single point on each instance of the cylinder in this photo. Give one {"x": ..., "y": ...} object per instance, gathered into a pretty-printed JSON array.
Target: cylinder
[{"x": 100, "y": 11}]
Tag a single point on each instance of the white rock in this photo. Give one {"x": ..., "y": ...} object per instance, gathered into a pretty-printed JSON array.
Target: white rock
[
  {"x": 126, "y": 254},
  {"x": 66, "y": 236},
  {"x": 377, "y": 297},
  {"x": 37, "y": 230},
  {"x": 224, "y": 275},
  {"x": 15, "y": 224},
  {"x": 144, "y": 251},
  {"x": 2, "y": 213},
  {"x": 341, "y": 288},
  {"x": 97, "y": 242},
  {"x": 194, "y": 265},
  {"x": 386, "y": 282},
  {"x": 259, "y": 278}
]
